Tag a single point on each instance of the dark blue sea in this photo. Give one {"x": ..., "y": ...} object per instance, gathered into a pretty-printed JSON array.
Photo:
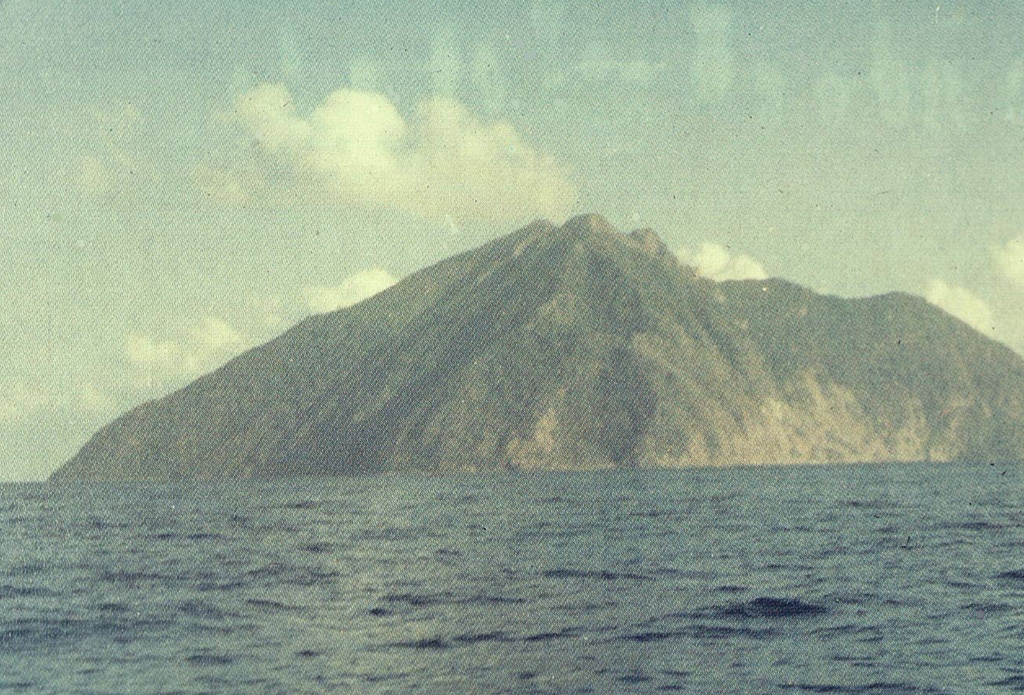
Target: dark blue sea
[{"x": 835, "y": 579}]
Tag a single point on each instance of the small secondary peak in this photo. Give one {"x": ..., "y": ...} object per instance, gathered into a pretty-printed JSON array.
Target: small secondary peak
[
  {"x": 590, "y": 222},
  {"x": 541, "y": 224},
  {"x": 650, "y": 243}
]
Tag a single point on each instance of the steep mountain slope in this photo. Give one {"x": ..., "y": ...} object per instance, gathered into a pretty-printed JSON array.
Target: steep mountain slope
[{"x": 580, "y": 347}]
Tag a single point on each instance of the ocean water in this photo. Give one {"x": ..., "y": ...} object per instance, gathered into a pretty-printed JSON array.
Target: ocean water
[{"x": 837, "y": 579}]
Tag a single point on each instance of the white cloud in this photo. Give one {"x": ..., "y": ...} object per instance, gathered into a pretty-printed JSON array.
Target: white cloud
[
  {"x": 1009, "y": 259},
  {"x": 963, "y": 304},
  {"x": 351, "y": 291},
  {"x": 160, "y": 362},
  {"x": 146, "y": 352},
  {"x": 200, "y": 346},
  {"x": 92, "y": 400},
  {"x": 217, "y": 335},
  {"x": 357, "y": 148},
  {"x": 268, "y": 312},
  {"x": 714, "y": 261},
  {"x": 157, "y": 363},
  {"x": 196, "y": 348}
]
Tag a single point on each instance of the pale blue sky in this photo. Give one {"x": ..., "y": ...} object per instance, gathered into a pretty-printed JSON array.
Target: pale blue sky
[{"x": 179, "y": 180}]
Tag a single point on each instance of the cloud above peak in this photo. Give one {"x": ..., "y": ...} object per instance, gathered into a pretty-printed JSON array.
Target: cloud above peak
[
  {"x": 440, "y": 161},
  {"x": 716, "y": 262}
]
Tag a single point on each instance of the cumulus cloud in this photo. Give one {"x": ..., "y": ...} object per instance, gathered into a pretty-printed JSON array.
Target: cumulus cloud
[
  {"x": 357, "y": 148},
  {"x": 161, "y": 361},
  {"x": 91, "y": 400},
  {"x": 1009, "y": 259},
  {"x": 351, "y": 291},
  {"x": 146, "y": 352},
  {"x": 217, "y": 335},
  {"x": 268, "y": 312},
  {"x": 963, "y": 304},
  {"x": 714, "y": 261},
  {"x": 206, "y": 343}
]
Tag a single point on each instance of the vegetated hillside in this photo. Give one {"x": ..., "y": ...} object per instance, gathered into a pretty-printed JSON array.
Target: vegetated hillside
[{"x": 582, "y": 347}]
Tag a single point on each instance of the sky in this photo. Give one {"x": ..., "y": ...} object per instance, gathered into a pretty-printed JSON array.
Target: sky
[{"x": 183, "y": 180}]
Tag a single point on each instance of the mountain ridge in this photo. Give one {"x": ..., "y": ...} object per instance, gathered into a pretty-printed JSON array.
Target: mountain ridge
[{"x": 580, "y": 347}]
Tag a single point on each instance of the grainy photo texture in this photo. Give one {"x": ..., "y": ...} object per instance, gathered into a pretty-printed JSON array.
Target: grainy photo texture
[{"x": 511, "y": 348}]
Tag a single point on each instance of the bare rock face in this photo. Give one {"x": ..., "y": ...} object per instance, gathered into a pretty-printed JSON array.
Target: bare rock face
[
  {"x": 580, "y": 347},
  {"x": 650, "y": 243}
]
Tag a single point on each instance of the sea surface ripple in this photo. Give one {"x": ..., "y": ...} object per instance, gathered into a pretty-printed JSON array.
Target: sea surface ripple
[{"x": 873, "y": 580}]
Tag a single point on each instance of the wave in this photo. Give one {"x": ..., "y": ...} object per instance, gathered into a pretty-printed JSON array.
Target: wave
[{"x": 771, "y": 607}]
